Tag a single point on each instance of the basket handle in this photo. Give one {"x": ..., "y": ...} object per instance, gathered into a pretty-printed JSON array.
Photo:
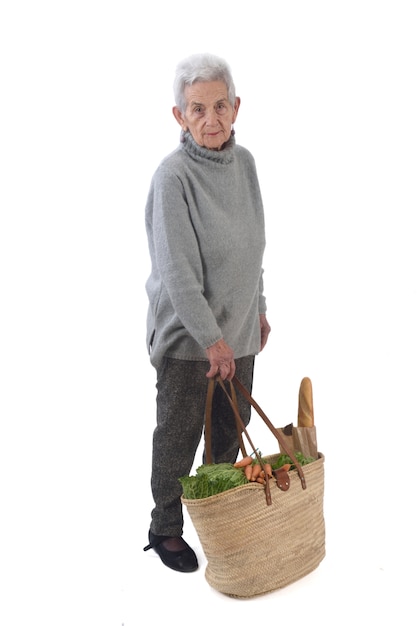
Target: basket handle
[
  {"x": 240, "y": 426},
  {"x": 239, "y": 423},
  {"x": 274, "y": 431}
]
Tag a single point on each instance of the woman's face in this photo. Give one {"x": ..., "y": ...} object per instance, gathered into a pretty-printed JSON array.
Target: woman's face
[{"x": 208, "y": 115}]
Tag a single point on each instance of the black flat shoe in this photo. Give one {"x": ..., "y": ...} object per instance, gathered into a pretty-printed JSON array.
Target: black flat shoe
[{"x": 183, "y": 560}]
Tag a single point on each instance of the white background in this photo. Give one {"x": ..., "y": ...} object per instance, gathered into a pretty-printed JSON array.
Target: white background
[{"x": 328, "y": 109}]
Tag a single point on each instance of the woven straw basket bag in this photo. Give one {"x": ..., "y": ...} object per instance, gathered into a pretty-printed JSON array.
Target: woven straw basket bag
[{"x": 257, "y": 540}]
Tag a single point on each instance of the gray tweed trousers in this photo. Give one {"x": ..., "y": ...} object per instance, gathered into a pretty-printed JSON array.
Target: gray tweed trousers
[{"x": 180, "y": 405}]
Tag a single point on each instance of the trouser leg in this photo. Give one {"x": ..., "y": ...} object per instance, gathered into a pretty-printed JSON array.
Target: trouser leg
[
  {"x": 181, "y": 397},
  {"x": 181, "y": 392}
]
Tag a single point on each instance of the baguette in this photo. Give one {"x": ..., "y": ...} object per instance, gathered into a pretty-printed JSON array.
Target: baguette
[{"x": 305, "y": 404}]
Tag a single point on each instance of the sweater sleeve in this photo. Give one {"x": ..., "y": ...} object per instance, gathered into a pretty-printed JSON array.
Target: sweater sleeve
[{"x": 178, "y": 259}]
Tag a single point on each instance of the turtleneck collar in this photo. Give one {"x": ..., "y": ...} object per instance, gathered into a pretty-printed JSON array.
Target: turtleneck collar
[{"x": 225, "y": 155}]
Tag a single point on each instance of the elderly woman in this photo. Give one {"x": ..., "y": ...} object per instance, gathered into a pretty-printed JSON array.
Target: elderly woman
[{"x": 206, "y": 316}]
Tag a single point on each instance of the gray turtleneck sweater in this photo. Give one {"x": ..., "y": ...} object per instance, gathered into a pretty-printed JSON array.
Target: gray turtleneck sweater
[{"x": 205, "y": 228}]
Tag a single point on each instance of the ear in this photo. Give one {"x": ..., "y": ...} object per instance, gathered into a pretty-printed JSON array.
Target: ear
[
  {"x": 236, "y": 109},
  {"x": 179, "y": 117}
]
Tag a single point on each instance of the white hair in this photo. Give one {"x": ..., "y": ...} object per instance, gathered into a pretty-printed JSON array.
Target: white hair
[{"x": 203, "y": 67}]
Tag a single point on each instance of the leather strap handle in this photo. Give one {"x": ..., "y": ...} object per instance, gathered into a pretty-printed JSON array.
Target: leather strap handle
[
  {"x": 240, "y": 426},
  {"x": 273, "y": 430},
  {"x": 208, "y": 411}
]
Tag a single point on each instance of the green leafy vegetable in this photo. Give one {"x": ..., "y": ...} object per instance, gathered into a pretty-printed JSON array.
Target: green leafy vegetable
[
  {"x": 212, "y": 479},
  {"x": 218, "y": 477},
  {"x": 283, "y": 459}
]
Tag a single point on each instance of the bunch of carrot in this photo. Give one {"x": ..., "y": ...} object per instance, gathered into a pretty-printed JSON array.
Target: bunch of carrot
[{"x": 254, "y": 472}]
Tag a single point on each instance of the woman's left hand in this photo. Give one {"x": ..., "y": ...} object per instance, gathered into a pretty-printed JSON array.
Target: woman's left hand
[{"x": 265, "y": 330}]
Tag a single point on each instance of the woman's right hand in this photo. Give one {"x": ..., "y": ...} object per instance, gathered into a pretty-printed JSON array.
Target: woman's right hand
[{"x": 222, "y": 362}]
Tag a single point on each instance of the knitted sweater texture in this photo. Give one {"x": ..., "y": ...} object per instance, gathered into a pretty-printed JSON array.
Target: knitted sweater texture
[{"x": 206, "y": 237}]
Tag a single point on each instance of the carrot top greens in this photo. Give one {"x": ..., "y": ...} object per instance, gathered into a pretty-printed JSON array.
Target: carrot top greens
[{"x": 284, "y": 459}]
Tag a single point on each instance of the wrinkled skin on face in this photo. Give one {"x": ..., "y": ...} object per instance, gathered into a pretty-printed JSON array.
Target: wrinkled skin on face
[{"x": 208, "y": 115}]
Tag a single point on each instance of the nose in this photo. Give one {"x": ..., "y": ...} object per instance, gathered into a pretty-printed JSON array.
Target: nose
[{"x": 211, "y": 117}]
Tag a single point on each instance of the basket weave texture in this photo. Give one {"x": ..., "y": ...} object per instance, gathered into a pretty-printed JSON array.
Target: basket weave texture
[{"x": 253, "y": 548}]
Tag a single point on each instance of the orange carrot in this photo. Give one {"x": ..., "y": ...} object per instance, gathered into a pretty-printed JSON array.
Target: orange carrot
[
  {"x": 248, "y": 471},
  {"x": 268, "y": 469},
  {"x": 247, "y": 460},
  {"x": 286, "y": 467},
  {"x": 256, "y": 470},
  {"x": 261, "y": 480}
]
